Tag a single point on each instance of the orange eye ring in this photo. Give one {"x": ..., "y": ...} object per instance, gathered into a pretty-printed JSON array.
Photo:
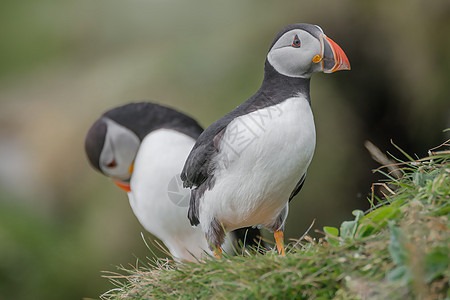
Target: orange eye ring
[{"x": 296, "y": 43}]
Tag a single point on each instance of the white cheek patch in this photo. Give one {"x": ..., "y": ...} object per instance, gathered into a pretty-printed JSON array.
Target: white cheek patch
[
  {"x": 107, "y": 154},
  {"x": 286, "y": 61},
  {"x": 121, "y": 145}
]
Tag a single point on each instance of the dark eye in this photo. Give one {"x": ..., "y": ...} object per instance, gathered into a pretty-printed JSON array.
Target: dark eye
[
  {"x": 296, "y": 43},
  {"x": 112, "y": 164}
]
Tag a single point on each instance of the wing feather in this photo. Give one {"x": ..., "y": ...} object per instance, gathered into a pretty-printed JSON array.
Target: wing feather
[{"x": 298, "y": 187}]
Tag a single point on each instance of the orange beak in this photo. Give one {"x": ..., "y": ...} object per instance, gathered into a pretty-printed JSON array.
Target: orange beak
[
  {"x": 123, "y": 185},
  {"x": 334, "y": 58}
]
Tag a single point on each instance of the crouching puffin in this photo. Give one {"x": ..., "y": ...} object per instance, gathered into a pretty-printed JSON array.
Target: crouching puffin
[
  {"x": 142, "y": 147},
  {"x": 246, "y": 167}
]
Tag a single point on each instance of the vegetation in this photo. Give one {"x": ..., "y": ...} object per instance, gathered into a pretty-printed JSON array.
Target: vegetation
[{"x": 399, "y": 249}]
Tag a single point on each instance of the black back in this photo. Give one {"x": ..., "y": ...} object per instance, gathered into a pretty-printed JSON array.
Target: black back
[
  {"x": 141, "y": 118},
  {"x": 145, "y": 117}
]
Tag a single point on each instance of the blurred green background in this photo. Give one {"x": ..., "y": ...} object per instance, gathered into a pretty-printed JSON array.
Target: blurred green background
[{"x": 63, "y": 63}]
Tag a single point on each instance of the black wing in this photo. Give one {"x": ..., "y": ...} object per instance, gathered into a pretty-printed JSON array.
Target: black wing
[
  {"x": 198, "y": 170},
  {"x": 198, "y": 167},
  {"x": 298, "y": 187}
]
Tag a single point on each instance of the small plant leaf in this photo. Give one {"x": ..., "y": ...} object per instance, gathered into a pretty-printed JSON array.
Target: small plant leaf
[
  {"x": 367, "y": 230},
  {"x": 333, "y": 231},
  {"x": 396, "y": 248},
  {"x": 399, "y": 273},
  {"x": 358, "y": 214},
  {"x": 380, "y": 217},
  {"x": 436, "y": 262},
  {"x": 348, "y": 228},
  {"x": 332, "y": 235}
]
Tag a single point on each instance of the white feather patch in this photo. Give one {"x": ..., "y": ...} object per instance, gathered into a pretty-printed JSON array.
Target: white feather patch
[
  {"x": 262, "y": 156},
  {"x": 159, "y": 162}
]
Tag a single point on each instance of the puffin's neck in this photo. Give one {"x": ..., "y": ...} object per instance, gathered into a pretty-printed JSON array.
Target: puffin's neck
[{"x": 278, "y": 86}]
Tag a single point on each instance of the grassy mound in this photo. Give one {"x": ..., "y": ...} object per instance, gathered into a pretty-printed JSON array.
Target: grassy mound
[{"x": 400, "y": 249}]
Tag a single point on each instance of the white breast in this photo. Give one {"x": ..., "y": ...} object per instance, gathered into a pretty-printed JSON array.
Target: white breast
[
  {"x": 261, "y": 158},
  {"x": 160, "y": 208}
]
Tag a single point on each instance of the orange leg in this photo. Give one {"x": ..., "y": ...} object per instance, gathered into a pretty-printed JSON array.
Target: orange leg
[
  {"x": 218, "y": 253},
  {"x": 279, "y": 241}
]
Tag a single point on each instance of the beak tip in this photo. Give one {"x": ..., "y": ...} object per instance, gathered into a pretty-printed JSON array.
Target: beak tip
[
  {"x": 340, "y": 58},
  {"x": 123, "y": 185},
  {"x": 341, "y": 67}
]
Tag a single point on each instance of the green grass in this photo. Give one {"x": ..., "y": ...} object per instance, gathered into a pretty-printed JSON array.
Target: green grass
[{"x": 398, "y": 250}]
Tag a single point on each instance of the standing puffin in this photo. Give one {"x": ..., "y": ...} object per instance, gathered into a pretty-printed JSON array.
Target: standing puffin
[
  {"x": 246, "y": 167},
  {"x": 142, "y": 147}
]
